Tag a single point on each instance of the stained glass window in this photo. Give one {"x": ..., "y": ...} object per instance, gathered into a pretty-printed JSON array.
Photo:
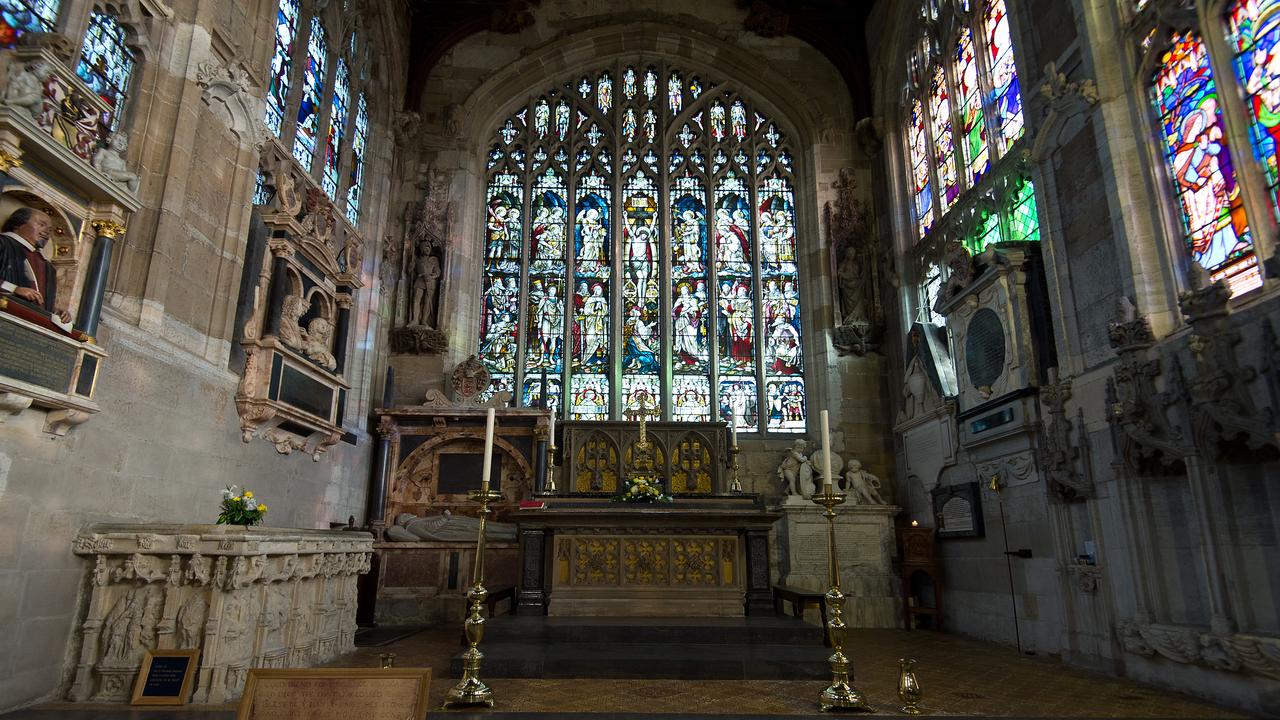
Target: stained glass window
[
  {"x": 106, "y": 62},
  {"x": 617, "y": 317},
  {"x": 359, "y": 144},
  {"x": 1004, "y": 73},
  {"x": 973, "y": 126},
  {"x": 1200, "y": 164},
  {"x": 337, "y": 128},
  {"x": 944, "y": 157},
  {"x": 920, "y": 170},
  {"x": 1253, "y": 30},
  {"x": 304, "y": 142},
  {"x": 281, "y": 63},
  {"x": 24, "y": 16}
]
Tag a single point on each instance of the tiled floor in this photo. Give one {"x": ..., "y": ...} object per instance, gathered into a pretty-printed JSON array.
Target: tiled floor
[{"x": 959, "y": 677}]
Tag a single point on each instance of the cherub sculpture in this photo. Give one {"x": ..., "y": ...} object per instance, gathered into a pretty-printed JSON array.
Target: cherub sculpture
[
  {"x": 794, "y": 472},
  {"x": 110, "y": 161}
]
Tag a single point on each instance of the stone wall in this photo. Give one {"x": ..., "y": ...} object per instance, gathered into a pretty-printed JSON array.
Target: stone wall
[{"x": 168, "y": 439}]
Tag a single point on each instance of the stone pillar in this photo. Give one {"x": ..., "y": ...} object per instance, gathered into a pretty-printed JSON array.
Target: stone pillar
[
  {"x": 280, "y": 250},
  {"x": 340, "y": 331},
  {"x": 383, "y": 466},
  {"x": 105, "y": 233}
]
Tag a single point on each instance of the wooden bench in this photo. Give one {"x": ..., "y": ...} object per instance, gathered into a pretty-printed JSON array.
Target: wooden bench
[{"x": 801, "y": 599}]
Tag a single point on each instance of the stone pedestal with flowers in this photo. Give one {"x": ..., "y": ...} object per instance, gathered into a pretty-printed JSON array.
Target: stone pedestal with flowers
[{"x": 243, "y": 596}]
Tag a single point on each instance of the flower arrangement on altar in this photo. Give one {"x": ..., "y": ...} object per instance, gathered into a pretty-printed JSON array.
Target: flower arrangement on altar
[
  {"x": 240, "y": 508},
  {"x": 642, "y": 490}
]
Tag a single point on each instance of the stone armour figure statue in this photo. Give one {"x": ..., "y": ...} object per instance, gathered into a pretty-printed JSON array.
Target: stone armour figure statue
[
  {"x": 862, "y": 487},
  {"x": 426, "y": 279},
  {"x": 794, "y": 472},
  {"x": 25, "y": 89},
  {"x": 446, "y": 527},
  {"x": 110, "y": 160}
]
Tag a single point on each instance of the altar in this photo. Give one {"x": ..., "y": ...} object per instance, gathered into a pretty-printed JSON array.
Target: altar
[{"x": 584, "y": 553}]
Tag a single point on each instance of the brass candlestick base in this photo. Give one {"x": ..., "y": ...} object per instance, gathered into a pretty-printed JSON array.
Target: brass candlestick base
[
  {"x": 471, "y": 690},
  {"x": 839, "y": 695},
  {"x": 549, "y": 487},
  {"x": 735, "y": 486}
]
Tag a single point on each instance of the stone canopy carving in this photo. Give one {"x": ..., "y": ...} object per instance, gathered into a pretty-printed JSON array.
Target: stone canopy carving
[
  {"x": 854, "y": 262},
  {"x": 428, "y": 224}
]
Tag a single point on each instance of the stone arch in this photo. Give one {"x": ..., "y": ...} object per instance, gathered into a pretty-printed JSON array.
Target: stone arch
[{"x": 418, "y": 463}]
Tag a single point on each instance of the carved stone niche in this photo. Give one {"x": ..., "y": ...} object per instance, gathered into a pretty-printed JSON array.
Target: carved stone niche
[
  {"x": 294, "y": 388},
  {"x": 244, "y": 597}
]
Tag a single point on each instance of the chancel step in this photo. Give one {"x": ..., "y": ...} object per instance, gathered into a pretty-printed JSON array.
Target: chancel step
[{"x": 777, "y": 648}]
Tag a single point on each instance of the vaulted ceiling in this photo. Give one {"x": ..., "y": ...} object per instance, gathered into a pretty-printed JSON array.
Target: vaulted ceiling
[{"x": 836, "y": 28}]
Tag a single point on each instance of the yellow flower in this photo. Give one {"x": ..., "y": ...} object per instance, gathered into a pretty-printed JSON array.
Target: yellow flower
[
  {"x": 248, "y": 493},
  {"x": 262, "y": 508},
  {"x": 236, "y": 498}
]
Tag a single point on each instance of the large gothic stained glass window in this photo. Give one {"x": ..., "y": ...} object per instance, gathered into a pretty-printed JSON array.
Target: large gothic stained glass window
[
  {"x": 23, "y": 16},
  {"x": 359, "y": 141},
  {"x": 304, "y": 141},
  {"x": 1253, "y": 31},
  {"x": 1201, "y": 166},
  {"x": 281, "y": 63},
  {"x": 106, "y": 62},
  {"x": 337, "y": 129},
  {"x": 641, "y": 253}
]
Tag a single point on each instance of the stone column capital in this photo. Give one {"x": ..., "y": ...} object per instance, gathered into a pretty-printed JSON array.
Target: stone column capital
[{"x": 108, "y": 228}]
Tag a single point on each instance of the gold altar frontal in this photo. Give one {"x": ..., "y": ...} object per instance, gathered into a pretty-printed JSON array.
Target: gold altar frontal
[{"x": 695, "y": 557}]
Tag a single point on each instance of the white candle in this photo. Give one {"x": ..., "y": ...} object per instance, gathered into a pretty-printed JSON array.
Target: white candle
[
  {"x": 826, "y": 455},
  {"x": 551, "y": 431},
  {"x": 488, "y": 451},
  {"x": 733, "y": 429}
]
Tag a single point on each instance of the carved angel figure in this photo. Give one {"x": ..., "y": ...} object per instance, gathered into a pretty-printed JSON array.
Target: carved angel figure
[
  {"x": 862, "y": 486},
  {"x": 25, "y": 90},
  {"x": 316, "y": 342},
  {"x": 292, "y": 310},
  {"x": 110, "y": 160},
  {"x": 795, "y": 472}
]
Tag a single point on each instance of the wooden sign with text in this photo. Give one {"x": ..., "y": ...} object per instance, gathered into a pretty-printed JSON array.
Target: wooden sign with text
[
  {"x": 165, "y": 677},
  {"x": 336, "y": 694}
]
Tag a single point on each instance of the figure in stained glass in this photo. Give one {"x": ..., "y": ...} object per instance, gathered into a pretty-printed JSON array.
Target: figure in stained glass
[
  {"x": 691, "y": 398},
  {"x": 738, "y": 118},
  {"x": 675, "y": 96},
  {"x": 304, "y": 141},
  {"x": 777, "y": 228},
  {"x": 1254, "y": 29},
  {"x": 590, "y": 397},
  {"x": 640, "y": 336},
  {"x": 690, "y": 334},
  {"x": 359, "y": 142},
  {"x": 737, "y": 327},
  {"x": 733, "y": 235},
  {"x": 541, "y": 117},
  {"x": 281, "y": 63},
  {"x": 973, "y": 124},
  {"x": 562, "y": 120},
  {"x": 640, "y": 396},
  {"x": 1197, "y": 156},
  {"x": 1004, "y": 73},
  {"x": 786, "y": 404},
  {"x": 592, "y": 230},
  {"x": 717, "y": 121},
  {"x": 591, "y": 326},
  {"x": 920, "y": 170},
  {"x": 547, "y": 308},
  {"x": 629, "y": 124},
  {"x": 738, "y": 402},
  {"x": 548, "y": 228},
  {"x": 106, "y": 62}
]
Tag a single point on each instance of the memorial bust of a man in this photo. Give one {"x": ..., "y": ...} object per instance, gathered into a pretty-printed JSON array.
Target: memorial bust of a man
[{"x": 24, "y": 271}]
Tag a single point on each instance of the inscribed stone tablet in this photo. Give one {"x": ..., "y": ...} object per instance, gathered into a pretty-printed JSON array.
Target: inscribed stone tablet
[
  {"x": 28, "y": 356},
  {"x": 336, "y": 694},
  {"x": 984, "y": 348}
]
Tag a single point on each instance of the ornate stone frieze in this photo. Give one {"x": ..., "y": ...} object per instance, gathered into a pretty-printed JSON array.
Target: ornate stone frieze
[
  {"x": 1137, "y": 410},
  {"x": 1248, "y": 654},
  {"x": 260, "y": 597},
  {"x": 1059, "y": 456},
  {"x": 232, "y": 98}
]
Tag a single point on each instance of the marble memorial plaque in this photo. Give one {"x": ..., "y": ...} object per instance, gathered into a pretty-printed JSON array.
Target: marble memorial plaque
[
  {"x": 984, "y": 348},
  {"x": 336, "y": 694},
  {"x": 33, "y": 358}
]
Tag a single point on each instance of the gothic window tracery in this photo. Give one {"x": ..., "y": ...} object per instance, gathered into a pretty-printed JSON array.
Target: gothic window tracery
[
  {"x": 641, "y": 240},
  {"x": 961, "y": 133},
  {"x": 1219, "y": 199},
  {"x": 106, "y": 61},
  {"x": 23, "y": 16},
  {"x": 327, "y": 86}
]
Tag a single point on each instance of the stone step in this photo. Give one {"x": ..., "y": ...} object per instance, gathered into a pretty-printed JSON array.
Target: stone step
[
  {"x": 768, "y": 629},
  {"x": 651, "y": 661}
]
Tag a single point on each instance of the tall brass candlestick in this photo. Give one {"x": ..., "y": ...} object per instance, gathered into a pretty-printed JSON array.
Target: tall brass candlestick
[
  {"x": 840, "y": 695},
  {"x": 735, "y": 486},
  {"x": 471, "y": 690}
]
